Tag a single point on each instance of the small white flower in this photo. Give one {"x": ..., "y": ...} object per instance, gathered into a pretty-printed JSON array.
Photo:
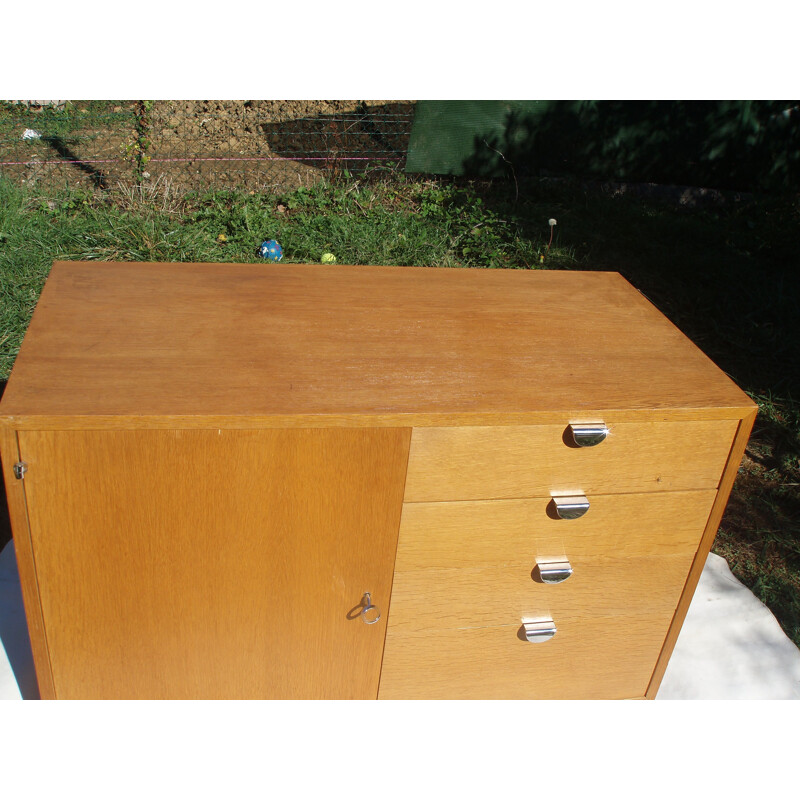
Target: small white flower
[
  {"x": 551, "y": 222},
  {"x": 31, "y": 134}
]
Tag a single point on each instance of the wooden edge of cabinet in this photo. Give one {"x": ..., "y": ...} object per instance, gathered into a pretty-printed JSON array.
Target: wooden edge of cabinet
[
  {"x": 23, "y": 548},
  {"x": 710, "y": 532},
  {"x": 368, "y": 420},
  {"x": 394, "y": 562}
]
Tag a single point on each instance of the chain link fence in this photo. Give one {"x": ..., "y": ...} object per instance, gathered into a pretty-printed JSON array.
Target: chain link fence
[{"x": 255, "y": 145}]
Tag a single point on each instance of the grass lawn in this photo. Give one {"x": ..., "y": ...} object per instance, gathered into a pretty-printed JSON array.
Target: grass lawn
[{"x": 727, "y": 275}]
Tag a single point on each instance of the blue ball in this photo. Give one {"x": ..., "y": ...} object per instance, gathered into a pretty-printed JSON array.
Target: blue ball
[{"x": 270, "y": 250}]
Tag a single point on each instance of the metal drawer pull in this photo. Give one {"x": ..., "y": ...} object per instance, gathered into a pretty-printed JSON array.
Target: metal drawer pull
[
  {"x": 588, "y": 435},
  {"x": 370, "y": 613},
  {"x": 571, "y": 507},
  {"x": 554, "y": 571},
  {"x": 539, "y": 630}
]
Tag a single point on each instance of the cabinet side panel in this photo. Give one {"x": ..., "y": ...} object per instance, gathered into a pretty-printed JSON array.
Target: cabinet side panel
[
  {"x": 717, "y": 510},
  {"x": 18, "y": 513},
  {"x": 215, "y": 564}
]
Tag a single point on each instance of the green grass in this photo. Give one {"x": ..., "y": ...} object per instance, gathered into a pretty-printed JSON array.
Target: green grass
[
  {"x": 400, "y": 222},
  {"x": 727, "y": 276}
]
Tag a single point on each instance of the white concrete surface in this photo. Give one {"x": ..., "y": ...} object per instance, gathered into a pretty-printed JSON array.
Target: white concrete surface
[{"x": 730, "y": 648}]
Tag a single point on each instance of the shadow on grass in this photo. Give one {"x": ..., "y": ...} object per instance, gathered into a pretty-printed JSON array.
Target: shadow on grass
[{"x": 96, "y": 176}]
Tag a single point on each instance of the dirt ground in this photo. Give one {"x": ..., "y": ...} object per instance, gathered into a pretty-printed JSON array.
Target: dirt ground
[{"x": 198, "y": 145}]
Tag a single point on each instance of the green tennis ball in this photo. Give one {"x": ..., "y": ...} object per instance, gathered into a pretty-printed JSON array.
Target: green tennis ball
[{"x": 328, "y": 258}]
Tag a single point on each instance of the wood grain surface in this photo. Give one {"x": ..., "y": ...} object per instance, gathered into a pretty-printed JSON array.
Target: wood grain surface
[
  {"x": 465, "y": 575},
  {"x": 510, "y": 533},
  {"x": 588, "y": 658},
  {"x": 433, "y": 600},
  {"x": 217, "y": 468},
  {"x": 193, "y": 341},
  {"x": 480, "y": 462},
  {"x": 26, "y": 565},
  {"x": 89, "y": 422},
  {"x": 214, "y": 564},
  {"x": 710, "y": 532}
]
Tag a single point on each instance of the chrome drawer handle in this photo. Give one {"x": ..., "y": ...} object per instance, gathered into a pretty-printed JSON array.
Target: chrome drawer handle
[
  {"x": 554, "y": 571},
  {"x": 370, "y": 613},
  {"x": 539, "y": 630},
  {"x": 571, "y": 507},
  {"x": 588, "y": 435}
]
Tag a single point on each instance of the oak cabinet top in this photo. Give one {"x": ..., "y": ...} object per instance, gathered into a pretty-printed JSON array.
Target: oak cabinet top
[{"x": 237, "y": 344}]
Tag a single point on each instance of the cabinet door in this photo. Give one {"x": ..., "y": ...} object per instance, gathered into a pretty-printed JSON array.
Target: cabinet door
[{"x": 214, "y": 564}]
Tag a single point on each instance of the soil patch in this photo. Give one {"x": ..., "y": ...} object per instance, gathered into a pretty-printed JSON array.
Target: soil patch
[{"x": 202, "y": 145}]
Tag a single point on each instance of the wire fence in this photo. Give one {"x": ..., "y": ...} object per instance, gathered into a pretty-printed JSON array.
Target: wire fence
[{"x": 256, "y": 145}]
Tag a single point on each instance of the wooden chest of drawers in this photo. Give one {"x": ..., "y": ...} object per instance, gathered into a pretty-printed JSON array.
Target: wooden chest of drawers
[{"x": 300, "y": 481}]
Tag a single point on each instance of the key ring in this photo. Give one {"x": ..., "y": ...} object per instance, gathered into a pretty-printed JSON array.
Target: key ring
[{"x": 369, "y": 619}]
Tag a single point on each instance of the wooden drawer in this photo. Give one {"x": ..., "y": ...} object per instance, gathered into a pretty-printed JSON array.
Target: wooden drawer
[
  {"x": 483, "y": 533},
  {"x": 472, "y": 463},
  {"x": 598, "y": 658},
  {"x": 461, "y": 599},
  {"x": 463, "y": 582},
  {"x": 470, "y": 564}
]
